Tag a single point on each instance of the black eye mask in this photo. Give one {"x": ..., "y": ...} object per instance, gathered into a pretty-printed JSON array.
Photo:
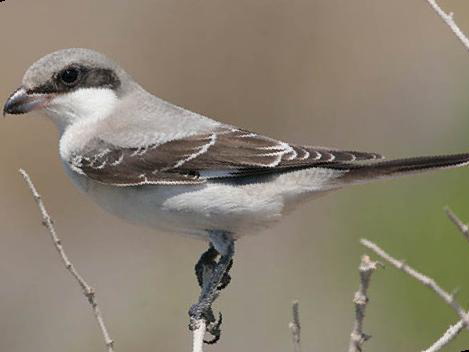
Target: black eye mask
[{"x": 76, "y": 76}]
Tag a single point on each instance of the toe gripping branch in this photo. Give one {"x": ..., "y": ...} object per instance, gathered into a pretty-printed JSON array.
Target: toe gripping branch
[{"x": 212, "y": 277}]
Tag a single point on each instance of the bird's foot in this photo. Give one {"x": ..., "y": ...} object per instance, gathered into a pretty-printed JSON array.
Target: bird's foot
[
  {"x": 213, "y": 326},
  {"x": 212, "y": 277}
]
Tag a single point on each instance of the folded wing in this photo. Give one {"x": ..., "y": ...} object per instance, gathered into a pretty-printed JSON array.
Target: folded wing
[{"x": 221, "y": 154}]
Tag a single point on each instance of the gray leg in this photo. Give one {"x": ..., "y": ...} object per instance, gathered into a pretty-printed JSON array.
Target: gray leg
[{"x": 212, "y": 277}]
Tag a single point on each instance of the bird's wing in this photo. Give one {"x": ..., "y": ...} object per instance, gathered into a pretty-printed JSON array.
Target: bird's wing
[{"x": 221, "y": 154}]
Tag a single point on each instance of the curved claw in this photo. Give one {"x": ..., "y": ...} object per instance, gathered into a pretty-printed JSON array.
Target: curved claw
[
  {"x": 214, "y": 329},
  {"x": 212, "y": 277}
]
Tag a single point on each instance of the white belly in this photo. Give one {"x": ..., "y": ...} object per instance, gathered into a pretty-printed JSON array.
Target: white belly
[{"x": 192, "y": 210}]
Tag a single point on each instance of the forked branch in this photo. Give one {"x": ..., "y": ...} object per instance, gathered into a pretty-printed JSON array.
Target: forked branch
[{"x": 447, "y": 297}]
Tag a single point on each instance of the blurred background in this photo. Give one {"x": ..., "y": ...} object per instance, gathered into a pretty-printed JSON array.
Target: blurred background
[{"x": 383, "y": 76}]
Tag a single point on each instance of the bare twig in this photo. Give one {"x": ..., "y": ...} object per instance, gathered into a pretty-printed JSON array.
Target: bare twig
[
  {"x": 87, "y": 289},
  {"x": 447, "y": 337},
  {"x": 448, "y": 19},
  {"x": 295, "y": 327},
  {"x": 423, "y": 279},
  {"x": 463, "y": 228},
  {"x": 459, "y": 224},
  {"x": 198, "y": 336},
  {"x": 358, "y": 337},
  {"x": 428, "y": 282},
  {"x": 455, "y": 329}
]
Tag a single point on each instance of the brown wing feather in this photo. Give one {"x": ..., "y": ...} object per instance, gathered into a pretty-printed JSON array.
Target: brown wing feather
[{"x": 193, "y": 160}]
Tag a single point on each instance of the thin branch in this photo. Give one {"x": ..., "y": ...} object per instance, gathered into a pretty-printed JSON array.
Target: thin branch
[
  {"x": 455, "y": 329},
  {"x": 358, "y": 337},
  {"x": 87, "y": 289},
  {"x": 448, "y": 19},
  {"x": 447, "y": 337},
  {"x": 423, "y": 279},
  {"x": 198, "y": 336},
  {"x": 295, "y": 327},
  {"x": 463, "y": 228}
]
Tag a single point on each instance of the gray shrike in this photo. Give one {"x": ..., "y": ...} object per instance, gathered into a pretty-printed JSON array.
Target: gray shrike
[{"x": 157, "y": 164}]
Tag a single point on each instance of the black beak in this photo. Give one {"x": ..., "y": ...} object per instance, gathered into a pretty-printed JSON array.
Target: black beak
[{"x": 21, "y": 102}]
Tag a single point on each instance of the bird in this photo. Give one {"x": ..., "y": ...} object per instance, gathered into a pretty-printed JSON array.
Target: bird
[{"x": 154, "y": 163}]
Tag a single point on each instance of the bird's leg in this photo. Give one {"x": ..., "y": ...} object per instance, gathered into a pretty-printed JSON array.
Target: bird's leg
[
  {"x": 212, "y": 277},
  {"x": 205, "y": 266}
]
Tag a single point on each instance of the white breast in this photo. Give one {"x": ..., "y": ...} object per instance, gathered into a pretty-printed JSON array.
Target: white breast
[{"x": 192, "y": 210}]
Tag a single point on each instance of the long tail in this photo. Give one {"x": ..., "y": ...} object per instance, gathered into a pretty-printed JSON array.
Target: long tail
[{"x": 360, "y": 173}]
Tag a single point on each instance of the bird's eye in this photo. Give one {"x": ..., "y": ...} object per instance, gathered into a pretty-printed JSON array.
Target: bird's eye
[{"x": 69, "y": 76}]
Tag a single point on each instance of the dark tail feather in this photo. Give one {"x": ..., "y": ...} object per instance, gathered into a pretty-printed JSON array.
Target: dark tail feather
[{"x": 393, "y": 168}]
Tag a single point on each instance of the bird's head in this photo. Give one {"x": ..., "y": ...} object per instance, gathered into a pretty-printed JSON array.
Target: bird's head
[{"x": 70, "y": 85}]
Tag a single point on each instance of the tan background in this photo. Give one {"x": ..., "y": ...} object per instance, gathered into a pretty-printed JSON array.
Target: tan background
[{"x": 375, "y": 75}]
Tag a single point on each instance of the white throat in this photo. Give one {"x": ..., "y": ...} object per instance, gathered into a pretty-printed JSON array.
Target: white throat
[{"x": 82, "y": 105}]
